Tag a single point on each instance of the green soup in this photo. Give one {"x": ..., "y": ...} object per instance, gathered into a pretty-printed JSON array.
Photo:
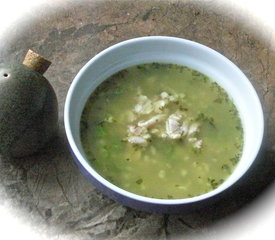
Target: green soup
[{"x": 162, "y": 130}]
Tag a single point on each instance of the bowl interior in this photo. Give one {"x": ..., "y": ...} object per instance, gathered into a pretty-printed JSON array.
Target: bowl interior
[{"x": 168, "y": 50}]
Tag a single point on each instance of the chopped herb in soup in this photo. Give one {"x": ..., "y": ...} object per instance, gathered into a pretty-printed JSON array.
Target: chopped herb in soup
[{"x": 162, "y": 131}]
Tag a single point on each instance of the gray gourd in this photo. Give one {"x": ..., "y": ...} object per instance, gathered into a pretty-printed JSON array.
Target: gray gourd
[{"x": 28, "y": 107}]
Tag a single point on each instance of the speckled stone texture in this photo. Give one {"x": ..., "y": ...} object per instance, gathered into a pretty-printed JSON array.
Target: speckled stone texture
[{"x": 49, "y": 191}]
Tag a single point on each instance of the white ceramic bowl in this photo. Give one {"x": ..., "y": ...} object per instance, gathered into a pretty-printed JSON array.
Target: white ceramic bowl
[{"x": 168, "y": 50}]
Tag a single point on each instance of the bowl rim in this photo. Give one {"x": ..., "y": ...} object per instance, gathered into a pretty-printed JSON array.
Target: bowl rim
[{"x": 80, "y": 158}]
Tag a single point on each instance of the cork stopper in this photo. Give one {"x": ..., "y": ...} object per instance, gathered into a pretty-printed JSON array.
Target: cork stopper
[{"x": 36, "y": 62}]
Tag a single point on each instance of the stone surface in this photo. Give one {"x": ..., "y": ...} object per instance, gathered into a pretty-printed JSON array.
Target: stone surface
[{"x": 48, "y": 190}]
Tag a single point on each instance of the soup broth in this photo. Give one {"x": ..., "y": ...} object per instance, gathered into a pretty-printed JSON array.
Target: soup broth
[{"x": 162, "y": 130}]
